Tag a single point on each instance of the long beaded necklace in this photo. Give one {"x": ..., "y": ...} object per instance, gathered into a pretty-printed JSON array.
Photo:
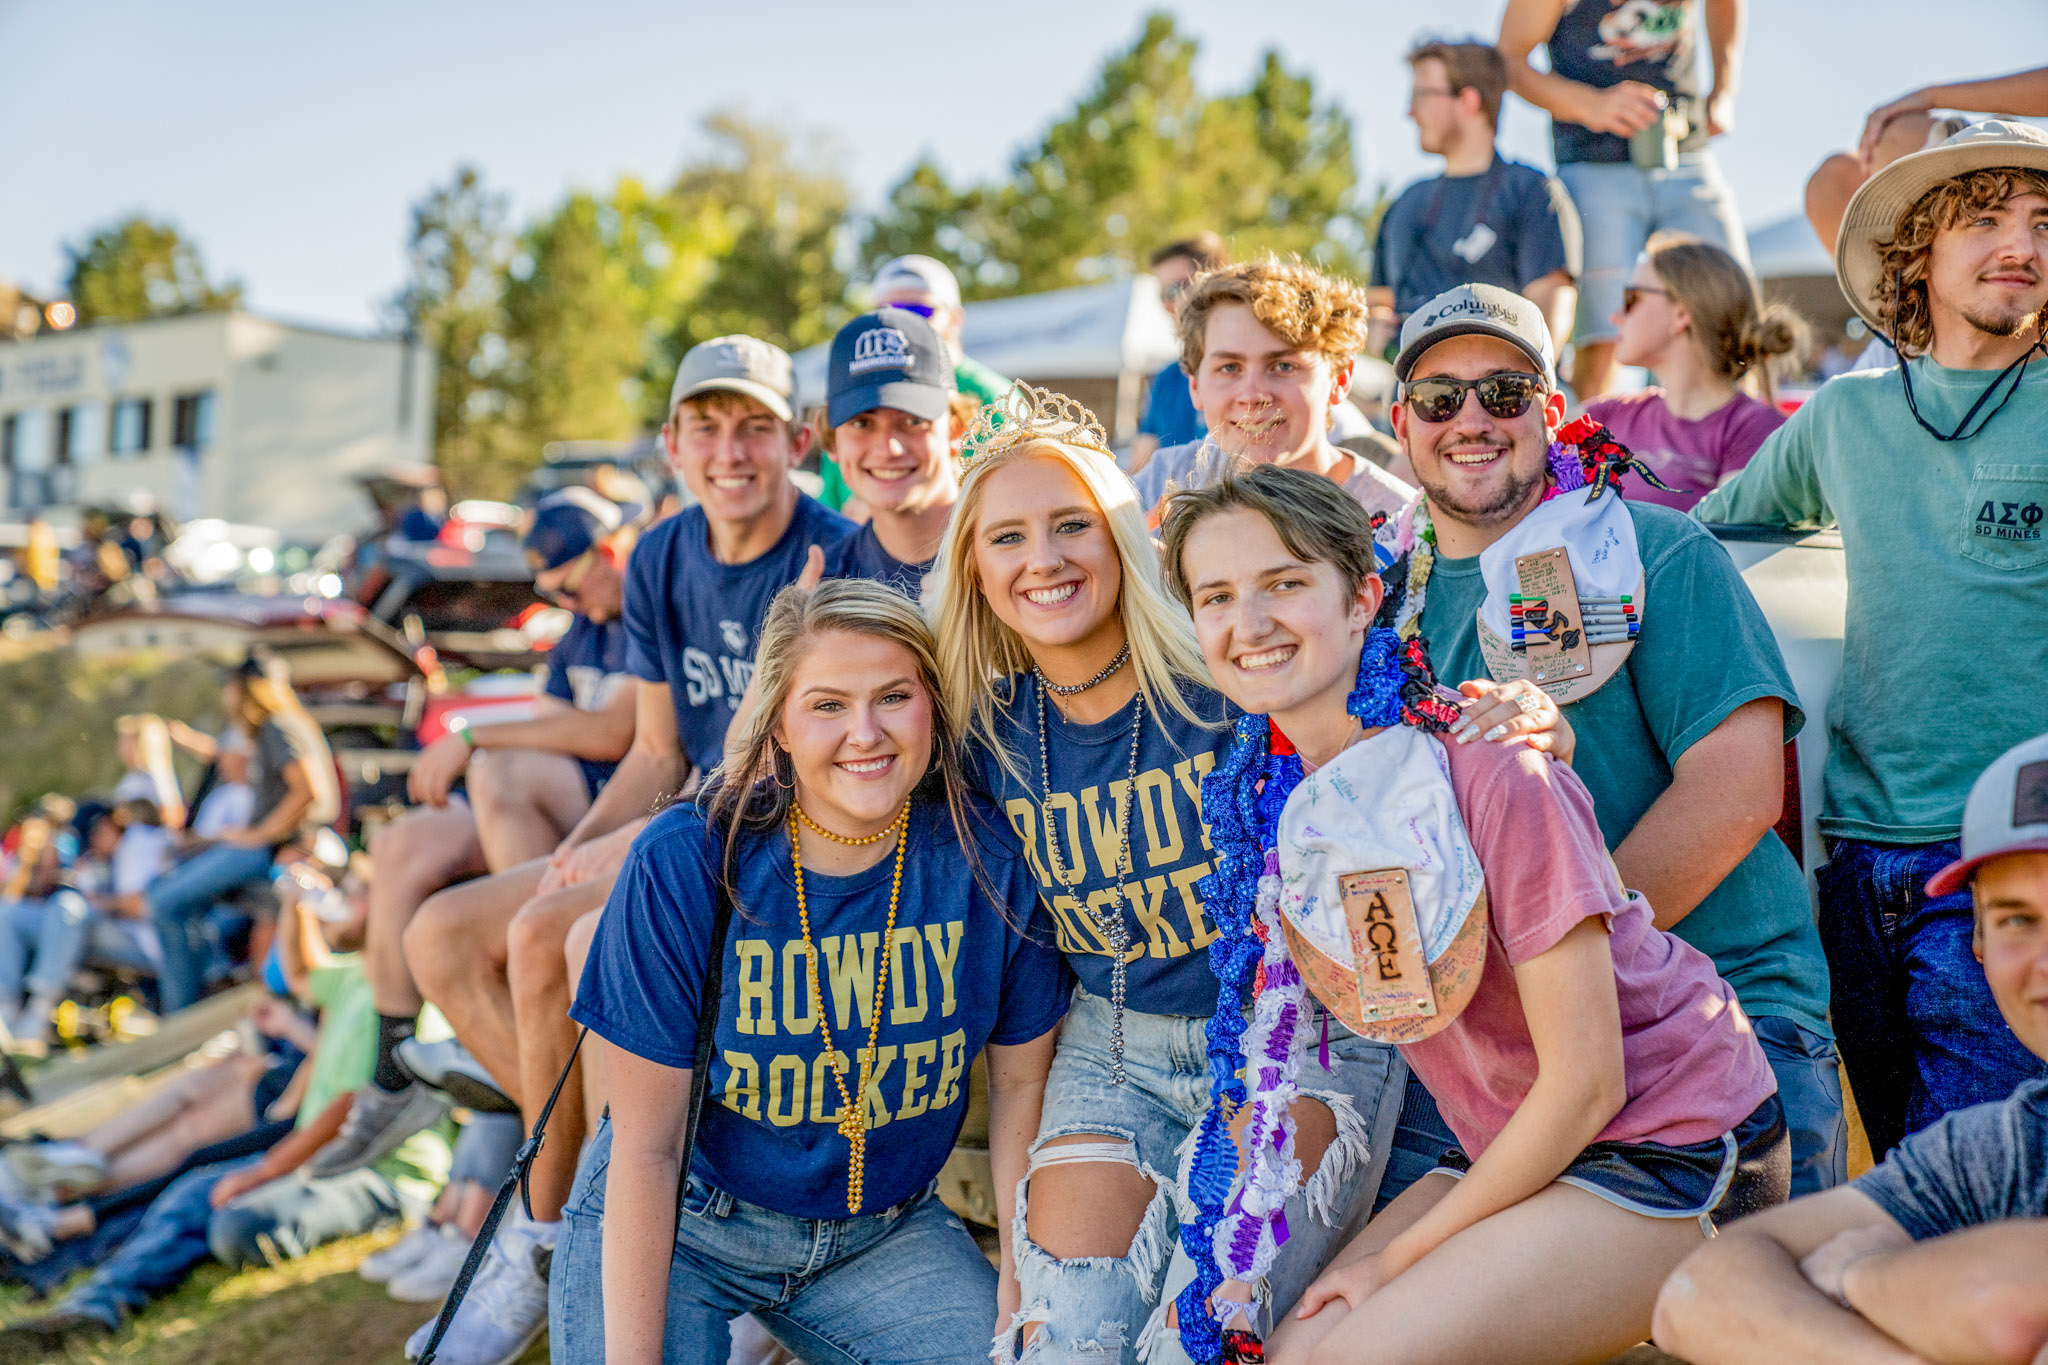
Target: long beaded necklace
[
  {"x": 1111, "y": 924},
  {"x": 853, "y": 1117}
]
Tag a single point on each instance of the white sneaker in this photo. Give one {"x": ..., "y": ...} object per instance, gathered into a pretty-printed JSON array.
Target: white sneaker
[
  {"x": 428, "y": 1279},
  {"x": 507, "y": 1306},
  {"x": 51, "y": 1171},
  {"x": 380, "y": 1266}
]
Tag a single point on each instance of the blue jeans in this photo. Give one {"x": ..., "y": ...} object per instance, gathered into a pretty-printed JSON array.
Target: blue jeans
[
  {"x": 1810, "y": 1088},
  {"x": 1099, "y": 1309},
  {"x": 904, "y": 1286},
  {"x": 1620, "y": 205},
  {"x": 287, "y": 1217},
  {"x": 179, "y": 900},
  {"x": 42, "y": 942},
  {"x": 1919, "y": 1030}
]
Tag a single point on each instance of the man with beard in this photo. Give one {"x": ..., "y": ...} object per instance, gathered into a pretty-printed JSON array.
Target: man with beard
[
  {"x": 1268, "y": 347},
  {"x": 1936, "y": 473},
  {"x": 1682, "y": 747}
]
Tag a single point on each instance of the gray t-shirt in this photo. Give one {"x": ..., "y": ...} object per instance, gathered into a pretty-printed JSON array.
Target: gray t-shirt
[{"x": 1977, "y": 1165}]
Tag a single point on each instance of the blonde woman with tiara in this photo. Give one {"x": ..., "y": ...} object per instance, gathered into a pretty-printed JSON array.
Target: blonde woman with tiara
[
  {"x": 1088, "y": 713},
  {"x": 1691, "y": 316}
]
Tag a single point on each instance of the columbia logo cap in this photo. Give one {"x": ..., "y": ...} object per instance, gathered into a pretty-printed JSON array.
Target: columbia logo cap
[
  {"x": 1483, "y": 310},
  {"x": 738, "y": 364},
  {"x": 888, "y": 359}
]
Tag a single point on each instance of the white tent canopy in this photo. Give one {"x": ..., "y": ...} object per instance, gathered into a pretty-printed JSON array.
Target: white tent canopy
[{"x": 1097, "y": 331}]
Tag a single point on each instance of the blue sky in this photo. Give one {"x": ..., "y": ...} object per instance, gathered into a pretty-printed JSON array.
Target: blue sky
[{"x": 289, "y": 140}]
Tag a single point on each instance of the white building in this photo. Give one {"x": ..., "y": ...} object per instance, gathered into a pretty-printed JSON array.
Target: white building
[{"x": 215, "y": 415}]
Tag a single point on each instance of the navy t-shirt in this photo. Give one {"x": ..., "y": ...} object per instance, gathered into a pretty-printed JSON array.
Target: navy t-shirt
[
  {"x": 1510, "y": 225},
  {"x": 961, "y": 974},
  {"x": 1167, "y": 971},
  {"x": 861, "y": 555},
  {"x": 692, "y": 622},
  {"x": 586, "y": 669},
  {"x": 1170, "y": 412},
  {"x": 1605, "y": 42}
]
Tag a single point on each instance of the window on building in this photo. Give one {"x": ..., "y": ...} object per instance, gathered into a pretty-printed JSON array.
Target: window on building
[
  {"x": 192, "y": 420},
  {"x": 130, "y": 422}
]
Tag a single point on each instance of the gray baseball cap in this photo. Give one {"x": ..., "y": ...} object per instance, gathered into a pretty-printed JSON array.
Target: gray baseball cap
[
  {"x": 1484, "y": 310},
  {"x": 2007, "y": 813},
  {"x": 747, "y": 365}
]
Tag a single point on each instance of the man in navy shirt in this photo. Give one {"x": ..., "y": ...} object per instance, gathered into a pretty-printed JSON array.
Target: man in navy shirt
[
  {"x": 895, "y": 423},
  {"x": 1485, "y": 220},
  {"x": 696, "y": 592},
  {"x": 529, "y": 782},
  {"x": 1171, "y": 417}
]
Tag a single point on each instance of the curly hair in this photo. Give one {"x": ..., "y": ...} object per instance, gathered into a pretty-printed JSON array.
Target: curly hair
[
  {"x": 1902, "y": 261},
  {"x": 1300, "y": 304}
]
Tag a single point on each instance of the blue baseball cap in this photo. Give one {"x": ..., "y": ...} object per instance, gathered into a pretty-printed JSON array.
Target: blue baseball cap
[
  {"x": 566, "y": 524},
  {"x": 888, "y": 359}
]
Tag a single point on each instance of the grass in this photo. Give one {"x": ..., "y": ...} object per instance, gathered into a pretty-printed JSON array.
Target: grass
[{"x": 313, "y": 1311}]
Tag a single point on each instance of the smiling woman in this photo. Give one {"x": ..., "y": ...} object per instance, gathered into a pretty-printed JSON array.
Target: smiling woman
[{"x": 881, "y": 935}]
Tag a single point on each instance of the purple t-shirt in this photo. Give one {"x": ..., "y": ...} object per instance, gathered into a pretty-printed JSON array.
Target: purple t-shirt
[{"x": 1694, "y": 455}]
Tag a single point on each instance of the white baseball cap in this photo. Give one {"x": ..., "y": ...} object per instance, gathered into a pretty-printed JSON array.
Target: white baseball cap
[{"x": 919, "y": 279}]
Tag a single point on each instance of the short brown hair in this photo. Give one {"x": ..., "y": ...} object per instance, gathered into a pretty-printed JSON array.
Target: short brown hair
[
  {"x": 961, "y": 410},
  {"x": 1204, "y": 251},
  {"x": 1314, "y": 517},
  {"x": 1468, "y": 65},
  {"x": 1306, "y": 308},
  {"x": 1902, "y": 261},
  {"x": 721, "y": 401}
]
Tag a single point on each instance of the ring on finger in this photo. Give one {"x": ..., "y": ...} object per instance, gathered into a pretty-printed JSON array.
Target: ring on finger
[{"x": 1526, "y": 702}]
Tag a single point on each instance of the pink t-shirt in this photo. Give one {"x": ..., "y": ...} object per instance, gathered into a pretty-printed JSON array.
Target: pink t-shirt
[
  {"x": 1694, "y": 455},
  {"x": 1694, "y": 1068}
]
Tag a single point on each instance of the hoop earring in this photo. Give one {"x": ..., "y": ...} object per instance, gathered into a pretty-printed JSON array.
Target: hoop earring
[{"x": 781, "y": 757}]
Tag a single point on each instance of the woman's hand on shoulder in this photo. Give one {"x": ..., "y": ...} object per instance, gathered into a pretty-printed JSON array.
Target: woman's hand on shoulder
[{"x": 1517, "y": 712}]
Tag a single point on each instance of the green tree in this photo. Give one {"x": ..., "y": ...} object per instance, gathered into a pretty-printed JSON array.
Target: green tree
[
  {"x": 1145, "y": 157},
  {"x": 452, "y": 301},
  {"x": 136, "y": 268}
]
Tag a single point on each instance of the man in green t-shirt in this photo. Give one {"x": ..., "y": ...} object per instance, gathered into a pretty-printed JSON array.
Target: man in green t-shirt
[
  {"x": 1937, "y": 475},
  {"x": 1683, "y": 747}
]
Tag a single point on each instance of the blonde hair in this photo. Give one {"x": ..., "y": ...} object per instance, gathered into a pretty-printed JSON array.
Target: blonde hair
[
  {"x": 1903, "y": 260},
  {"x": 1298, "y": 303},
  {"x": 976, "y": 649},
  {"x": 1734, "y": 328},
  {"x": 749, "y": 794}
]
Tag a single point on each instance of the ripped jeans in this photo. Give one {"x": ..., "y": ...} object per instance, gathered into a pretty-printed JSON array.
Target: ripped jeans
[{"x": 1112, "y": 1310}]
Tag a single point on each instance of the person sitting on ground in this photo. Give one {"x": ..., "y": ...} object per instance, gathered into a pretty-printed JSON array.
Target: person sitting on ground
[
  {"x": 849, "y": 769},
  {"x": 1609, "y": 1102},
  {"x": 1171, "y": 418},
  {"x": 1485, "y": 220},
  {"x": 528, "y": 783},
  {"x": 1940, "y": 1254},
  {"x": 294, "y": 781},
  {"x": 1268, "y": 346},
  {"x": 101, "y": 918},
  {"x": 894, "y": 424},
  {"x": 262, "y": 1208},
  {"x": 1691, "y": 316},
  {"x": 490, "y": 953}
]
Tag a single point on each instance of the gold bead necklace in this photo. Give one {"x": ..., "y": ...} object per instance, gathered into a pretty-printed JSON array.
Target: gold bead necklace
[
  {"x": 850, "y": 841},
  {"x": 853, "y": 1116}
]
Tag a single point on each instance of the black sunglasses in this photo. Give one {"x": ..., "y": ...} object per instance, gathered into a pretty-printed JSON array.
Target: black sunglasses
[{"x": 1504, "y": 396}]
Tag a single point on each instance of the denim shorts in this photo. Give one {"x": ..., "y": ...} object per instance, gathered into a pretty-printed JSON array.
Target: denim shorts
[
  {"x": 905, "y": 1286},
  {"x": 1104, "y": 1310},
  {"x": 1620, "y": 205},
  {"x": 1746, "y": 1169}
]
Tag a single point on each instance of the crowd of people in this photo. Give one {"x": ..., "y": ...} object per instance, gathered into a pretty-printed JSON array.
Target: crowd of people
[{"x": 1345, "y": 864}]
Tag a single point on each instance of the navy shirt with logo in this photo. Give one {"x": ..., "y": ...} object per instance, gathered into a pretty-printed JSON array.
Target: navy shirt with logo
[
  {"x": 970, "y": 962},
  {"x": 1167, "y": 966},
  {"x": 692, "y": 622},
  {"x": 861, "y": 555},
  {"x": 586, "y": 669},
  {"x": 1510, "y": 225}
]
